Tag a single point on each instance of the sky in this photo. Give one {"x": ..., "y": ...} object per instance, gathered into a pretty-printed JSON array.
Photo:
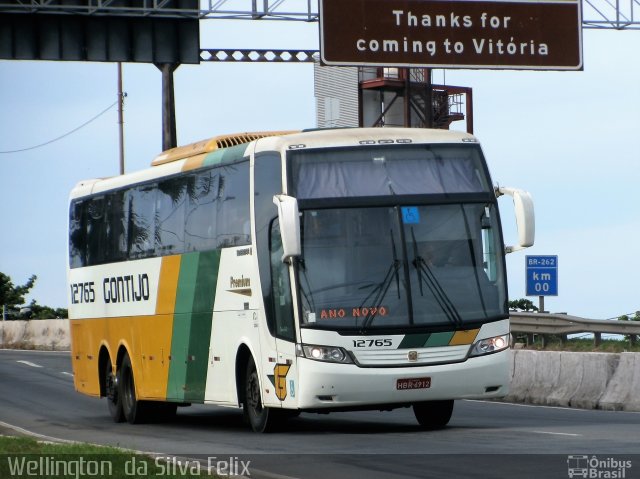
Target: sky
[{"x": 569, "y": 138}]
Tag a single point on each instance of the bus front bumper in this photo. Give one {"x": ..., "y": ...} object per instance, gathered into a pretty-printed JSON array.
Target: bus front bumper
[{"x": 324, "y": 385}]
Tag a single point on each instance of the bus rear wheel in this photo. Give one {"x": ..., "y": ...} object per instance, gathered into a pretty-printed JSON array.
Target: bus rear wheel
[
  {"x": 433, "y": 414},
  {"x": 114, "y": 400},
  {"x": 260, "y": 418},
  {"x": 134, "y": 411}
]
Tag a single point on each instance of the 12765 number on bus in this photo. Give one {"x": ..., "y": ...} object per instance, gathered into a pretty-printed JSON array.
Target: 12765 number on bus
[
  {"x": 368, "y": 343},
  {"x": 83, "y": 292}
]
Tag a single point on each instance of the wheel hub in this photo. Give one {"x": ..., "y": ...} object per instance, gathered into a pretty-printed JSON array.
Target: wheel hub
[
  {"x": 253, "y": 393},
  {"x": 111, "y": 386}
]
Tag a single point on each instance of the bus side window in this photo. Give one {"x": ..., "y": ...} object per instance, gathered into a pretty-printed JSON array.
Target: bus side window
[
  {"x": 95, "y": 230},
  {"x": 233, "y": 214},
  {"x": 116, "y": 239},
  {"x": 77, "y": 235},
  {"x": 171, "y": 201},
  {"x": 140, "y": 221},
  {"x": 200, "y": 216}
]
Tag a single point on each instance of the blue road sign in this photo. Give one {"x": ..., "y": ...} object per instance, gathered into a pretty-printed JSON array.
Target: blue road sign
[{"x": 542, "y": 275}]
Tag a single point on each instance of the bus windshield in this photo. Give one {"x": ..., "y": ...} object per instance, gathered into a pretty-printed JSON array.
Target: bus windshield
[{"x": 401, "y": 266}]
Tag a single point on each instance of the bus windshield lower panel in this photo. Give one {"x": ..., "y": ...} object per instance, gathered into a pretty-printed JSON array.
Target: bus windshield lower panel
[{"x": 401, "y": 266}]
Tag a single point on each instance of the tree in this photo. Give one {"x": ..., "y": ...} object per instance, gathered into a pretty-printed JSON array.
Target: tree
[
  {"x": 522, "y": 304},
  {"x": 625, "y": 317},
  {"x": 11, "y": 296},
  {"x": 46, "y": 312}
]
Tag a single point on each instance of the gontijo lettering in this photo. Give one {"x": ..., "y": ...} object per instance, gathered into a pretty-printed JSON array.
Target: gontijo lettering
[{"x": 126, "y": 289}]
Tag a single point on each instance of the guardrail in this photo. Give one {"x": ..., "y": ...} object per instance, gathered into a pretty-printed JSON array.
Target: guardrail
[{"x": 563, "y": 324}]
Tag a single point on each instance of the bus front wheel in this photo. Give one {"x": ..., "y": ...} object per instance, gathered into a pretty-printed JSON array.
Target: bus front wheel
[
  {"x": 433, "y": 414},
  {"x": 261, "y": 419}
]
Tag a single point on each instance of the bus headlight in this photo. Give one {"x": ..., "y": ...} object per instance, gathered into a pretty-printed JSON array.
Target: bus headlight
[
  {"x": 490, "y": 345},
  {"x": 331, "y": 354}
]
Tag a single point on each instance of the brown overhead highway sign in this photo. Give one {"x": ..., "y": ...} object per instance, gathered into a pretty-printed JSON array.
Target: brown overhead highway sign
[{"x": 523, "y": 35}]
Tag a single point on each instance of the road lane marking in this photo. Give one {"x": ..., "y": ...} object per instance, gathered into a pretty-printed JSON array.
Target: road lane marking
[
  {"x": 558, "y": 433},
  {"x": 537, "y": 406},
  {"x": 67, "y": 374},
  {"x": 42, "y": 437},
  {"x": 29, "y": 363},
  {"x": 34, "y": 351},
  {"x": 515, "y": 404}
]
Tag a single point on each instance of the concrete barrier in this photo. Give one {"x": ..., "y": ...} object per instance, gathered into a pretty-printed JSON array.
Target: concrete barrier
[
  {"x": 45, "y": 334},
  {"x": 583, "y": 380},
  {"x": 623, "y": 391},
  {"x": 569, "y": 379}
]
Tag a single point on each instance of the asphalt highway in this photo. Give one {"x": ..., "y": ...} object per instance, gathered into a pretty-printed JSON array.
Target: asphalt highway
[{"x": 483, "y": 439}]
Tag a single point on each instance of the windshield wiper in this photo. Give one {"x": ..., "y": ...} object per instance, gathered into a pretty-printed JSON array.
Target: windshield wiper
[
  {"x": 485, "y": 224},
  {"x": 309, "y": 297},
  {"x": 383, "y": 287},
  {"x": 426, "y": 276}
]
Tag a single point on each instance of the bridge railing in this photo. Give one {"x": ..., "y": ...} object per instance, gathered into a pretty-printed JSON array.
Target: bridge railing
[{"x": 564, "y": 324}]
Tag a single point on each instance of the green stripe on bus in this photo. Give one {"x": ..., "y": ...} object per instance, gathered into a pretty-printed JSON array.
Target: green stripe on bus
[
  {"x": 182, "y": 325},
  {"x": 192, "y": 326},
  {"x": 439, "y": 339},
  {"x": 200, "y": 336},
  {"x": 225, "y": 155},
  {"x": 414, "y": 341}
]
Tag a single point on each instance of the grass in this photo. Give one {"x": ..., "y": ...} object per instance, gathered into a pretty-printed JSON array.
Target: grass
[
  {"x": 554, "y": 343},
  {"x": 26, "y": 457}
]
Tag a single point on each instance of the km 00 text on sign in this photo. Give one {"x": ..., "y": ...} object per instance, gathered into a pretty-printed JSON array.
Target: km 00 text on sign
[{"x": 543, "y": 35}]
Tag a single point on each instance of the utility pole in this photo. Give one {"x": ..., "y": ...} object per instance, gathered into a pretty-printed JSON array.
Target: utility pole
[{"x": 121, "y": 118}]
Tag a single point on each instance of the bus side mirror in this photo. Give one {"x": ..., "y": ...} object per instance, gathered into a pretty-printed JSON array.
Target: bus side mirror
[
  {"x": 289, "y": 219},
  {"x": 525, "y": 217}
]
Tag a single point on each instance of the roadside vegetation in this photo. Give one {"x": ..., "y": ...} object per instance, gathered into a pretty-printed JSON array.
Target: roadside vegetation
[
  {"x": 26, "y": 457},
  {"x": 13, "y": 304}
]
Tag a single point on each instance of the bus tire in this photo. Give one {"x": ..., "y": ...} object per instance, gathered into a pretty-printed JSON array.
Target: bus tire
[
  {"x": 260, "y": 418},
  {"x": 433, "y": 414},
  {"x": 134, "y": 411},
  {"x": 114, "y": 400}
]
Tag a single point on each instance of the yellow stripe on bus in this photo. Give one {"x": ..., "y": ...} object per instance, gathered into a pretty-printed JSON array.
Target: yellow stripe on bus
[
  {"x": 464, "y": 337},
  {"x": 193, "y": 162},
  {"x": 168, "y": 285},
  {"x": 155, "y": 332}
]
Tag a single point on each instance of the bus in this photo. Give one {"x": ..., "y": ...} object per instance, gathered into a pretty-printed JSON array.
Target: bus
[{"x": 288, "y": 272}]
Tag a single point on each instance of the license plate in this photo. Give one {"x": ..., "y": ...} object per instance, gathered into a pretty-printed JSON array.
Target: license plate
[{"x": 413, "y": 383}]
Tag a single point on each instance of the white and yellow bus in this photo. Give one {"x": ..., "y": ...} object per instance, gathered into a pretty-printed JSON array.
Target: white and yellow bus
[{"x": 283, "y": 272}]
